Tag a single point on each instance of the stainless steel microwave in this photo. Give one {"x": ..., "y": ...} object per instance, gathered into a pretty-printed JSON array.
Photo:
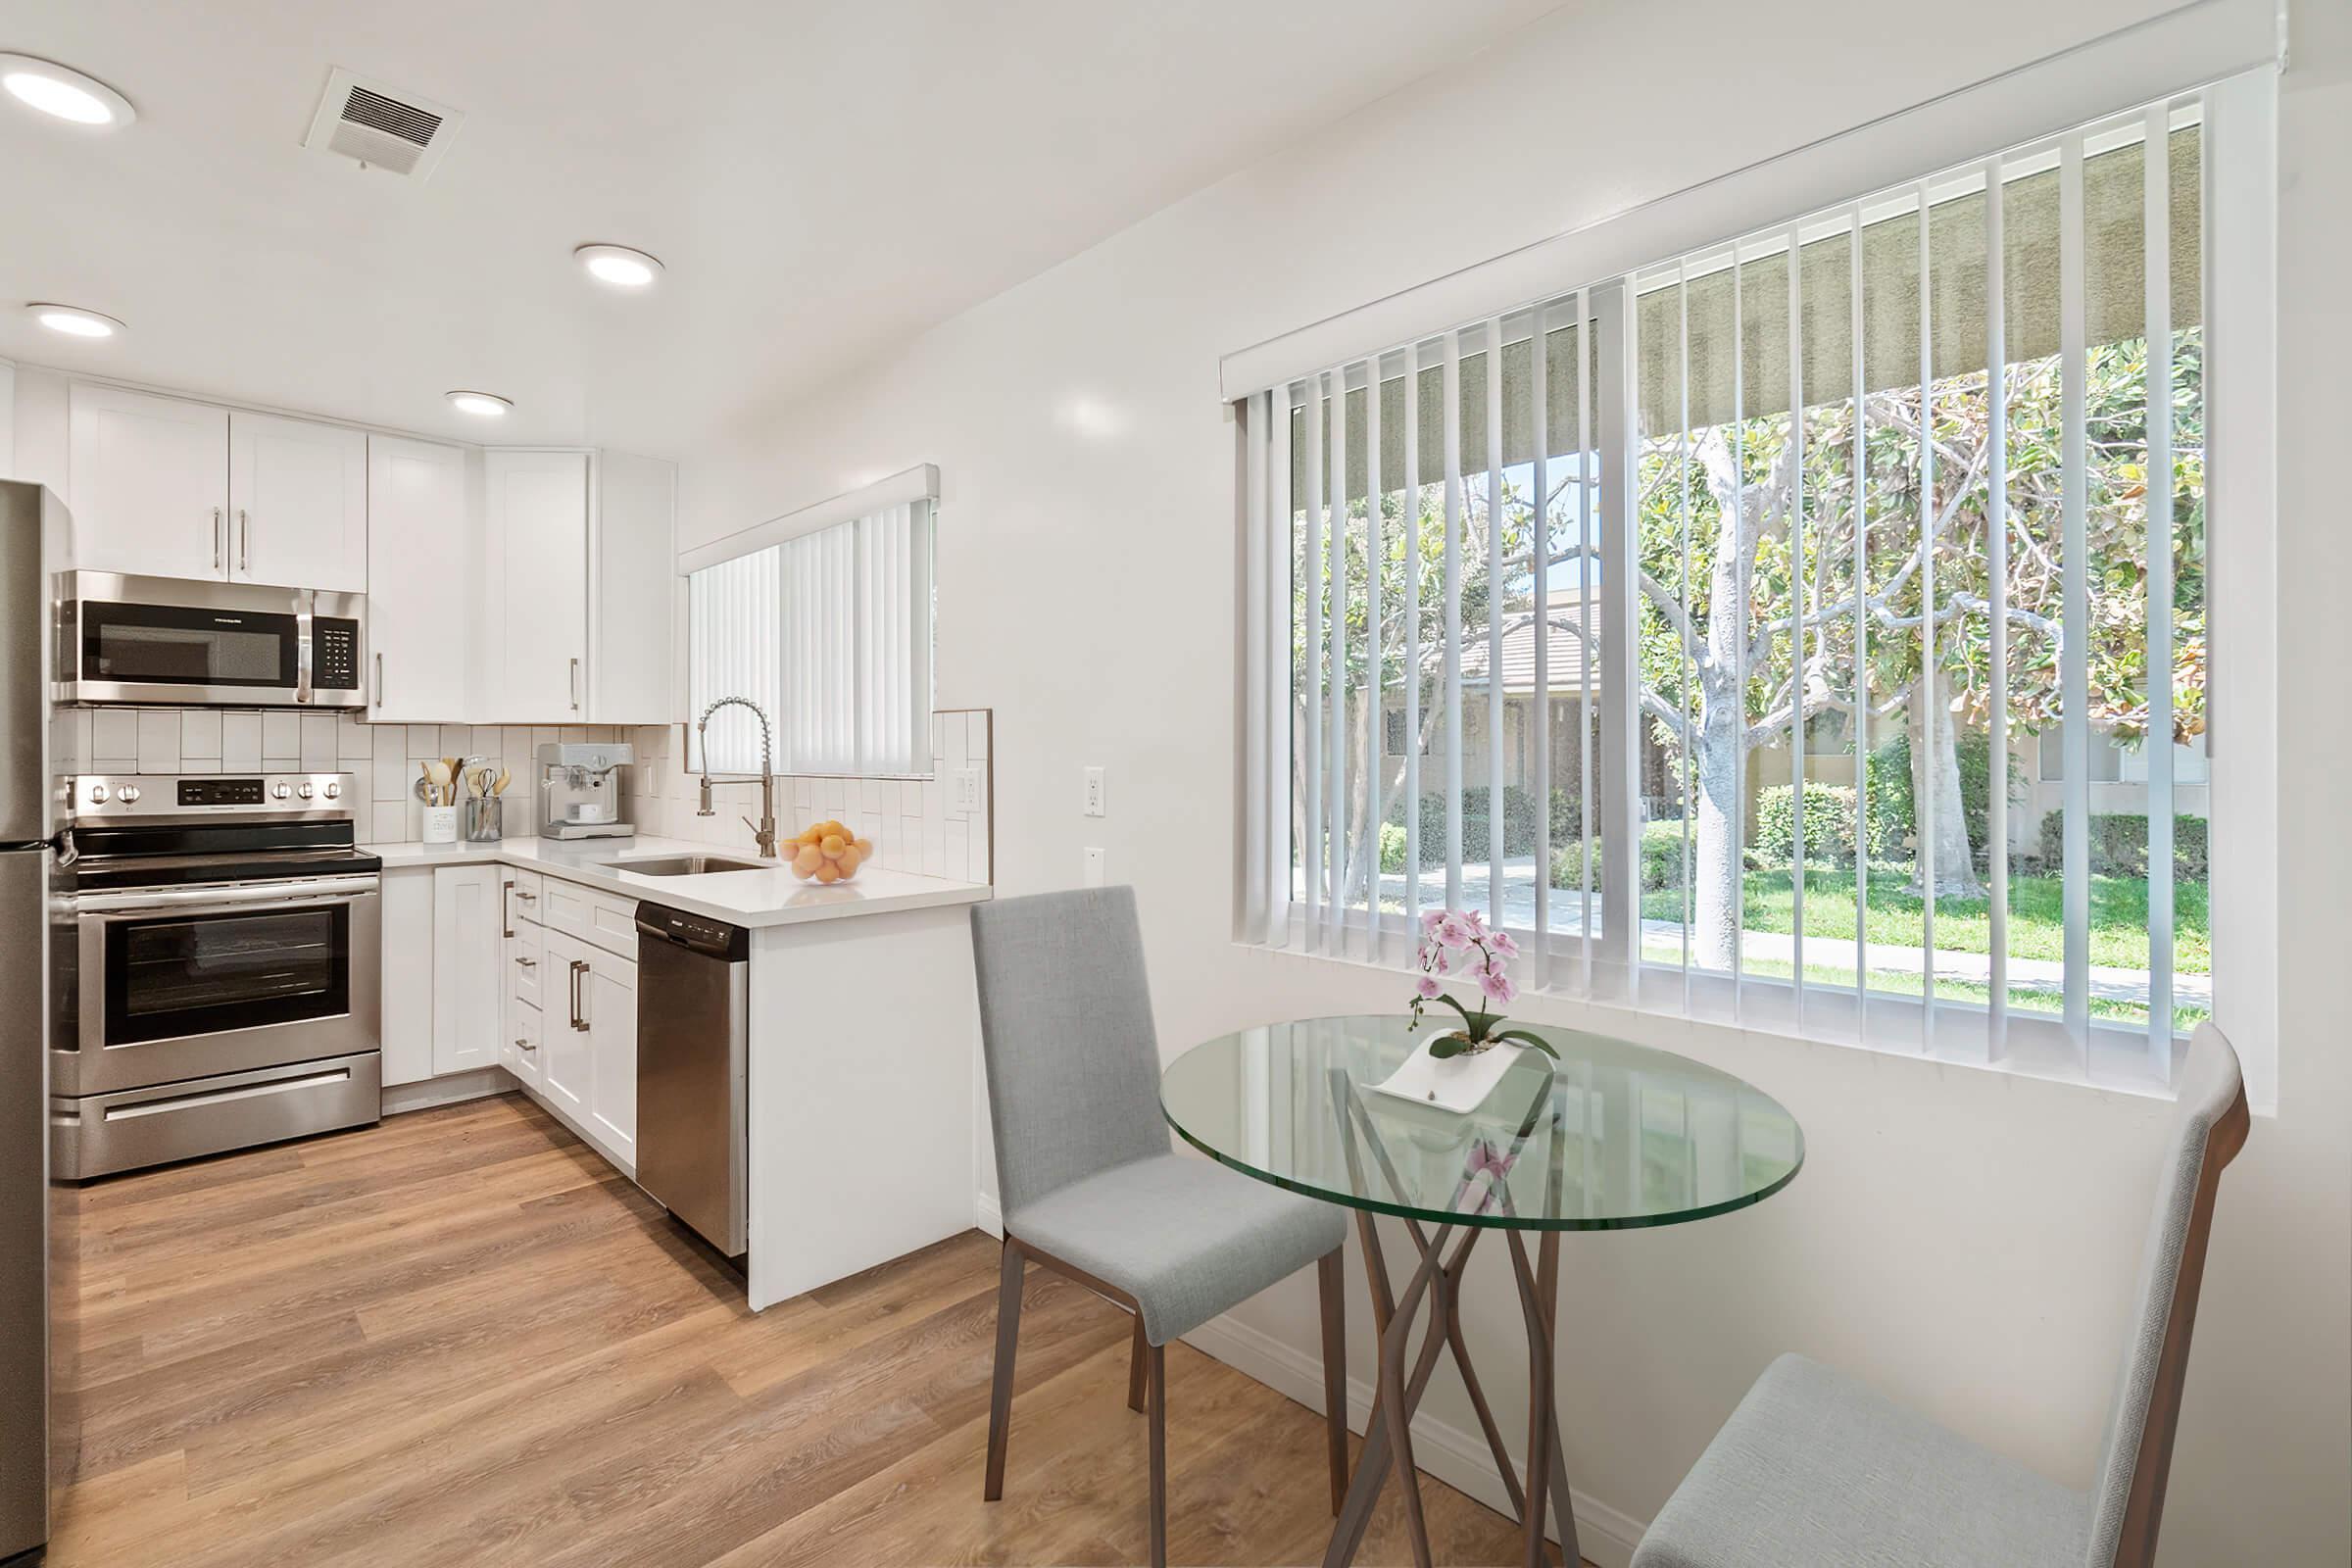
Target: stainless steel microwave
[{"x": 125, "y": 639}]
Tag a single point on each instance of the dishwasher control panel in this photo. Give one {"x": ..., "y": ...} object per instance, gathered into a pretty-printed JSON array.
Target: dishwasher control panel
[{"x": 698, "y": 932}]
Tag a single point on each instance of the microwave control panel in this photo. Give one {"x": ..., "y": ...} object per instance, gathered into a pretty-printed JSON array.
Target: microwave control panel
[{"x": 335, "y": 655}]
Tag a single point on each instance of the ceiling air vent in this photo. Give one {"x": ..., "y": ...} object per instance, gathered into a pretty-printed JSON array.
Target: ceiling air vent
[{"x": 379, "y": 126}]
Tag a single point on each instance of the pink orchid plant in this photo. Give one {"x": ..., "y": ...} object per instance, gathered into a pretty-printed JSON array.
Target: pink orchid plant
[{"x": 1459, "y": 944}]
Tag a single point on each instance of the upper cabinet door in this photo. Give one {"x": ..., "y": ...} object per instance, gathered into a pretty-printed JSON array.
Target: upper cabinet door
[
  {"x": 637, "y": 593},
  {"x": 298, "y": 500},
  {"x": 535, "y": 506},
  {"x": 419, "y": 554},
  {"x": 148, "y": 478}
]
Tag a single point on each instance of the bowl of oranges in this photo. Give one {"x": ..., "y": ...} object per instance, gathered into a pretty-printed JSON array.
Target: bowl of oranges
[{"x": 827, "y": 852}]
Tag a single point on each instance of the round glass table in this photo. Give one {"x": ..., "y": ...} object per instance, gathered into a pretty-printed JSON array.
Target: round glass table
[{"x": 1610, "y": 1136}]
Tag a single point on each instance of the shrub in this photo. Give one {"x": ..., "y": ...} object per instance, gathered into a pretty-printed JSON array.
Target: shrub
[
  {"x": 1829, "y": 826},
  {"x": 1392, "y": 847},
  {"x": 1661, "y": 860},
  {"x": 2119, "y": 845},
  {"x": 1521, "y": 827}
]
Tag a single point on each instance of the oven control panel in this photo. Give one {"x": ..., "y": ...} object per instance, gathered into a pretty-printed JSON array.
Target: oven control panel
[{"x": 99, "y": 797}]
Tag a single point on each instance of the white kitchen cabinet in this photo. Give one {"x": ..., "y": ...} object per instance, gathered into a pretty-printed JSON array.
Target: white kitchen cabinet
[
  {"x": 608, "y": 1009},
  {"x": 469, "y": 985},
  {"x": 148, "y": 483},
  {"x": 298, "y": 503},
  {"x": 633, "y": 647},
  {"x": 566, "y": 1048},
  {"x": 518, "y": 1044},
  {"x": 420, "y": 550},
  {"x": 406, "y": 1017},
  {"x": 536, "y": 566}
]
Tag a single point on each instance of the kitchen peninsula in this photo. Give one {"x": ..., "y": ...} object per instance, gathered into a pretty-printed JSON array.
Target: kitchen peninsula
[{"x": 520, "y": 961}]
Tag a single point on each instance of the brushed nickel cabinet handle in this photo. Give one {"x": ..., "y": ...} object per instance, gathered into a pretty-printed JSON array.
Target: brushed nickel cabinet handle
[
  {"x": 217, "y": 546},
  {"x": 244, "y": 541},
  {"x": 380, "y": 680},
  {"x": 528, "y": 963},
  {"x": 521, "y": 1044},
  {"x": 506, "y": 911},
  {"x": 577, "y": 969},
  {"x": 575, "y": 685}
]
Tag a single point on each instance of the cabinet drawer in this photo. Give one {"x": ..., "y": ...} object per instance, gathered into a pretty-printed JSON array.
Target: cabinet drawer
[
  {"x": 525, "y": 898},
  {"x": 527, "y": 967},
  {"x": 518, "y": 1050},
  {"x": 604, "y": 920}
]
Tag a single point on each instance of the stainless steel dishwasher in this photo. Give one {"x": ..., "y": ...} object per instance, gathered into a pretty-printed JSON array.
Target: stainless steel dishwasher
[{"x": 693, "y": 1034}]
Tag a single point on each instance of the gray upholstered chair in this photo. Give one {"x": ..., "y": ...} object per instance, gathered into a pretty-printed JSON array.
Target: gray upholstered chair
[
  {"x": 1813, "y": 1468},
  {"x": 1087, "y": 1182}
]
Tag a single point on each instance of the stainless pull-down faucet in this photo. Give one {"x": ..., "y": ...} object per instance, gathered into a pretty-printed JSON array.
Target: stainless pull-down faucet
[{"x": 766, "y": 828}]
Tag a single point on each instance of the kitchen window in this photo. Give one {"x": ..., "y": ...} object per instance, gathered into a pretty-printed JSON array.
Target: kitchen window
[
  {"x": 824, "y": 619},
  {"x": 1766, "y": 648}
]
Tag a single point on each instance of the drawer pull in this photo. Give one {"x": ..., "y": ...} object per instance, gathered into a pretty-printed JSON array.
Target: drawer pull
[
  {"x": 521, "y": 1044},
  {"x": 528, "y": 963}
]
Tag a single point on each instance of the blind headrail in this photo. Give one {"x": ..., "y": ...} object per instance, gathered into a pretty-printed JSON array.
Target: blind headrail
[
  {"x": 2183, "y": 50},
  {"x": 918, "y": 483}
]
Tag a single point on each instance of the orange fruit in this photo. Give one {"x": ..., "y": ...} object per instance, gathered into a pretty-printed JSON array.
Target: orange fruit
[
  {"x": 850, "y": 859},
  {"x": 828, "y": 872},
  {"x": 809, "y": 860},
  {"x": 833, "y": 845},
  {"x": 864, "y": 847}
]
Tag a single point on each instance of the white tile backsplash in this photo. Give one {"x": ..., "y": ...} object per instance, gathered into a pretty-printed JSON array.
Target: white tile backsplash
[
  {"x": 240, "y": 743},
  {"x": 281, "y": 740},
  {"x": 908, "y": 818},
  {"x": 199, "y": 734}
]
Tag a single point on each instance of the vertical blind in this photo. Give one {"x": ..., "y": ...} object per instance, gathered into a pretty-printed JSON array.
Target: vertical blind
[
  {"x": 829, "y": 633},
  {"x": 1725, "y": 597}
]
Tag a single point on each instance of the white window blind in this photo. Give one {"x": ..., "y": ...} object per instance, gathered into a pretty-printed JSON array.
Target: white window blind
[
  {"x": 1608, "y": 561},
  {"x": 829, "y": 632}
]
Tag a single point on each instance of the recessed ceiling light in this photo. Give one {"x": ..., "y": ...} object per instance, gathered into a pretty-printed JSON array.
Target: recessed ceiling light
[
  {"x": 619, "y": 266},
  {"x": 484, "y": 405},
  {"x": 73, "y": 320},
  {"x": 64, "y": 92}
]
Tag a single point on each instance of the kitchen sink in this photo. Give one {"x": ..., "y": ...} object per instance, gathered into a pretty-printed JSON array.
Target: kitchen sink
[{"x": 688, "y": 864}]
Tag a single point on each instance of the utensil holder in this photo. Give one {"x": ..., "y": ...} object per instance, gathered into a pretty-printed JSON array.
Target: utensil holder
[
  {"x": 485, "y": 823},
  {"x": 440, "y": 824}
]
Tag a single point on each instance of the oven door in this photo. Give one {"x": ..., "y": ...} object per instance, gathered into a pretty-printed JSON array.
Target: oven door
[
  {"x": 185, "y": 981},
  {"x": 160, "y": 640}
]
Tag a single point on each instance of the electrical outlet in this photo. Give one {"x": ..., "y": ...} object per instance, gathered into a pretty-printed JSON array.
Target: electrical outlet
[
  {"x": 967, "y": 789},
  {"x": 1096, "y": 873},
  {"x": 1093, "y": 806}
]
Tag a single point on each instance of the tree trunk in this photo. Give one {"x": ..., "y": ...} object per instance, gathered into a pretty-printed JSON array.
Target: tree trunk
[
  {"x": 1717, "y": 885},
  {"x": 1930, "y": 715}
]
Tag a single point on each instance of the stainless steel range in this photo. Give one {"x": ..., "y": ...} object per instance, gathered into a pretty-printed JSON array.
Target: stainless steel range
[{"x": 217, "y": 951}]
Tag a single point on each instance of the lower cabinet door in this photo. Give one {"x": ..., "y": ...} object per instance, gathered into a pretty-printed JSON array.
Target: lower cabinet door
[
  {"x": 612, "y": 1010},
  {"x": 467, "y": 984},
  {"x": 566, "y": 1046}
]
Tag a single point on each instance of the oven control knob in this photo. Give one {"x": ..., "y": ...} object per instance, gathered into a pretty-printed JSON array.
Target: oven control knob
[
  {"x": 97, "y": 794},
  {"x": 334, "y": 791},
  {"x": 280, "y": 791},
  {"x": 307, "y": 791},
  {"x": 128, "y": 794}
]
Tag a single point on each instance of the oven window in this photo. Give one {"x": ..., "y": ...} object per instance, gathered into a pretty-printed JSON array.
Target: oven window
[
  {"x": 196, "y": 974},
  {"x": 176, "y": 646}
]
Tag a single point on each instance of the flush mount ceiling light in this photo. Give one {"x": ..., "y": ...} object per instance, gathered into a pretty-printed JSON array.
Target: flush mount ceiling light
[
  {"x": 63, "y": 92},
  {"x": 483, "y": 405},
  {"x": 73, "y": 320},
  {"x": 619, "y": 266}
]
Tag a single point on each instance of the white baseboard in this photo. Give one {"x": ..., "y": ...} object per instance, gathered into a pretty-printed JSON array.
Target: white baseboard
[
  {"x": 1605, "y": 1536},
  {"x": 428, "y": 1093}
]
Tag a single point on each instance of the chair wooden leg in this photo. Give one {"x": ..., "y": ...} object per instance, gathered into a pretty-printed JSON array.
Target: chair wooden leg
[
  {"x": 1000, "y": 1400},
  {"x": 1331, "y": 1284},
  {"x": 1157, "y": 1365},
  {"x": 1135, "y": 1367}
]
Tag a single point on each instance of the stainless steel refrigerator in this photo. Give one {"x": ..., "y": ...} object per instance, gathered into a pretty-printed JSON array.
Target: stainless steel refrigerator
[{"x": 38, "y": 1434}]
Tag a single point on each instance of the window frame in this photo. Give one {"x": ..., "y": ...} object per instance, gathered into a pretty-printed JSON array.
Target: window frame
[{"x": 2239, "y": 116}]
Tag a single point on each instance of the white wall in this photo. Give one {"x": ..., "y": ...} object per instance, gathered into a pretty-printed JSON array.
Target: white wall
[{"x": 1965, "y": 1240}]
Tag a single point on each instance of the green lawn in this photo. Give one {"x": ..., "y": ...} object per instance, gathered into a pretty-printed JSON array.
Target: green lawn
[
  {"x": 2186, "y": 1017},
  {"x": 2118, "y": 915}
]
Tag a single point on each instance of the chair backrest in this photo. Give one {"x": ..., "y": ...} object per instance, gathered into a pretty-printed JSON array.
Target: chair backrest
[
  {"x": 2209, "y": 1128},
  {"x": 1065, "y": 1029}
]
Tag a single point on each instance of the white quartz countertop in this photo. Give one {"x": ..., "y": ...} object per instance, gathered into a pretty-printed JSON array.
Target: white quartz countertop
[{"x": 773, "y": 895}]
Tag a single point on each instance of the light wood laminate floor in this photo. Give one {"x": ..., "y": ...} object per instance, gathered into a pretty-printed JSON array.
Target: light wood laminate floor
[{"x": 461, "y": 1338}]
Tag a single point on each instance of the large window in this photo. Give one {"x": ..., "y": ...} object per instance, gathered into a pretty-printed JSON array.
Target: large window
[
  {"x": 828, "y": 631},
  {"x": 1810, "y": 630}
]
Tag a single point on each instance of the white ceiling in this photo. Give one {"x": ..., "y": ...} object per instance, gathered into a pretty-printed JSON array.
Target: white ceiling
[{"x": 821, "y": 180}]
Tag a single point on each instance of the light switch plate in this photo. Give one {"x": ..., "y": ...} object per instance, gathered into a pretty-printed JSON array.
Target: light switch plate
[
  {"x": 1093, "y": 799},
  {"x": 1095, "y": 871},
  {"x": 967, "y": 789}
]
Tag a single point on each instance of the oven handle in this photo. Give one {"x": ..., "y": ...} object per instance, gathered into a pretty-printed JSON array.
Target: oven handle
[{"x": 315, "y": 890}]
